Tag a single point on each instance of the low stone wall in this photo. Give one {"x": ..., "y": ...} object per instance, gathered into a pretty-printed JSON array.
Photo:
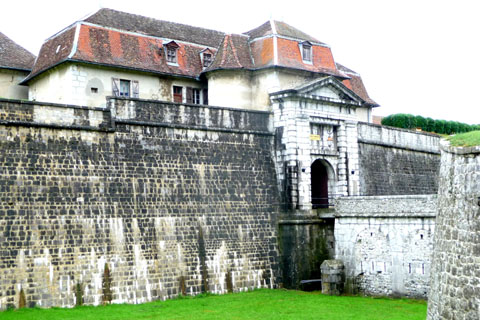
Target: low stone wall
[
  {"x": 385, "y": 243},
  {"x": 52, "y": 115},
  {"x": 455, "y": 280},
  {"x": 147, "y": 112},
  {"x": 397, "y": 162},
  {"x": 398, "y": 138}
]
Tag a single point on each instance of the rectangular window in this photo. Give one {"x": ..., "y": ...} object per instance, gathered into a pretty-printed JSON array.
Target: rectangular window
[
  {"x": 207, "y": 59},
  {"x": 307, "y": 52},
  {"x": 172, "y": 55},
  {"x": 196, "y": 96},
  {"x": 193, "y": 95},
  {"x": 177, "y": 94},
  {"x": 124, "y": 88}
]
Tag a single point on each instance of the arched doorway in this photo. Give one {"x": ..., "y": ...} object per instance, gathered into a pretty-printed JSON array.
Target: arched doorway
[{"x": 319, "y": 184}]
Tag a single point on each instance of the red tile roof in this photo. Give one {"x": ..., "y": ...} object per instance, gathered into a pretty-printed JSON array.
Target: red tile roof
[
  {"x": 233, "y": 53},
  {"x": 120, "y": 49},
  {"x": 124, "y": 40},
  {"x": 156, "y": 28},
  {"x": 289, "y": 56},
  {"x": 355, "y": 84}
]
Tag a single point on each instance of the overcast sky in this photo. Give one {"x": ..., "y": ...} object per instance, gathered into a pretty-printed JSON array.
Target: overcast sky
[{"x": 420, "y": 57}]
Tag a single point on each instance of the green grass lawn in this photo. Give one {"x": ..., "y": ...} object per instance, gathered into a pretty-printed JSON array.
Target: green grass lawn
[
  {"x": 467, "y": 139},
  {"x": 258, "y": 304}
]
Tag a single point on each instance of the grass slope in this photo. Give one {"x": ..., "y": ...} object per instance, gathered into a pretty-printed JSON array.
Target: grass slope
[
  {"x": 467, "y": 139},
  {"x": 258, "y": 304}
]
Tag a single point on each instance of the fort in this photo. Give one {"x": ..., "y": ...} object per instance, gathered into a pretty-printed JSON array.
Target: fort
[{"x": 184, "y": 160}]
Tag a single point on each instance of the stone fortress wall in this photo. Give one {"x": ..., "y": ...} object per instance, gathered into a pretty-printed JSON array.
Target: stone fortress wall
[
  {"x": 172, "y": 198},
  {"x": 395, "y": 161},
  {"x": 385, "y": 236},
  {"x": 455, "y": 273},
  {"x": 179, "y": 198}
]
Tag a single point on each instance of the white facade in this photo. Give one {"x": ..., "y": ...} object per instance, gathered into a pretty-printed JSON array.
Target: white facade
[
  {"x": 299, "y": 116},
  {"x": 88, "y": 85},
  {"x": 9, "y": 84},
  {"x": 251, "y": 89}
]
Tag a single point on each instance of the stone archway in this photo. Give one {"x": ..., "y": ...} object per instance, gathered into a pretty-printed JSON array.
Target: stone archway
[{"x": 319, "y": 184}]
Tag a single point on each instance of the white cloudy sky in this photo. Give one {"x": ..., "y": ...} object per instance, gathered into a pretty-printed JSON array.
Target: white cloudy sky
[{"x": 415, "y": 56}]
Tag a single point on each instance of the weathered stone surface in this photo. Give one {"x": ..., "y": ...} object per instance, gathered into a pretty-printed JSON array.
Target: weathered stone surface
[
  {"x": 333, "y": 277},
  {"x": 397, "y": 162},
  {"x": 304, "y": 245},
  {"x": 169, "y": 208},
  {"x": 385, "y": 243},
  {"x": 455, "y": 279}
]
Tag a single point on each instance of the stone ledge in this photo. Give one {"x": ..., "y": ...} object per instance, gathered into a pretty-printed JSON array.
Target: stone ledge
[
  {"x": 445, "y": 146},
  {"x": 417, "y": 206},
  {"x": 50, "y": 104},
  {"x": 190, "y": 127}
]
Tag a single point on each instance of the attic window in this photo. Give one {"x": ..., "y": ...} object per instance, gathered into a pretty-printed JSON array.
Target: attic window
[
  {"x": 206, "y": 55},
  {"x": 306, "y": 50},
  {"x": 207, "y": 59},
  {"x": 171, "y": 52},
  {"x": 172, "y": 55}
]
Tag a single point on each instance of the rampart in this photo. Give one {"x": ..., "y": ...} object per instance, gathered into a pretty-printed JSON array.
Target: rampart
[
  {"x": 397, "y": 162},
  {"x": 455, "y": 278},
  {"x": 172, "y": 198}
]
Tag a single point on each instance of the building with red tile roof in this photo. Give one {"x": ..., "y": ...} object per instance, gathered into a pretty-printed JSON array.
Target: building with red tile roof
[{"x": 117, "y": 53}]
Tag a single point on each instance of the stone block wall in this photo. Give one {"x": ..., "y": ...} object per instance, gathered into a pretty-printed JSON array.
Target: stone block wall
[
  {"x": 385, "y": 243},
  {"x": 304, "y": 245},
  {"x": 396, "y": 161},
  {"x": 455, "y": 277},
  {"x": 172, "y": 205}
]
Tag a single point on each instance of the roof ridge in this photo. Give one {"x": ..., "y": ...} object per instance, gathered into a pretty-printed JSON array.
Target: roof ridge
[
  {"x": 273, "y": 26},
  {"x": 234, "y": 50},
  {"x": 224, "y": 49}
]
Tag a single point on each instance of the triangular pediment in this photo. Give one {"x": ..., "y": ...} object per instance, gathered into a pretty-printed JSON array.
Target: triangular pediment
[{"x": 330, "y": 88}]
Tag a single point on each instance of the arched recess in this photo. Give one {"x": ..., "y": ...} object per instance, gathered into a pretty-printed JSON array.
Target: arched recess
[{"x": 322, "y": 183}]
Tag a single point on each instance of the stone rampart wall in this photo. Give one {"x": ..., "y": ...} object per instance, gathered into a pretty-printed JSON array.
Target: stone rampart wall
[
  {"x": 397, "y": 162},
  {"x": 172, "y": 198},
  {"x": 385, "y": 243},
  {"x": 455, "y": 280}
]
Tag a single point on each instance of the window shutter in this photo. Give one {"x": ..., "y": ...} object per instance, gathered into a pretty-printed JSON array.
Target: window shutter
[
  {"x": 116, "y": 87},
  {"x": 205, "y": 96},
  {"x": 189, "y": 95},
  {"x": 135, "y": 89}
]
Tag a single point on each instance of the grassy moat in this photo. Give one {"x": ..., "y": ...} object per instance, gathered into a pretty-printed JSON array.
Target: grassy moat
[{"x": 258, "y": 304}]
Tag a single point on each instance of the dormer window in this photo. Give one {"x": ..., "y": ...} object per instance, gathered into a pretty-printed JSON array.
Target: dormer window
[
  {"x": 171, "y": 49},
  {"x": 306, "y": 50},
  {"x": 207, "y": 59},
  {"x": 206, "y": 55},
  {"x": 172, "y": 55}
]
